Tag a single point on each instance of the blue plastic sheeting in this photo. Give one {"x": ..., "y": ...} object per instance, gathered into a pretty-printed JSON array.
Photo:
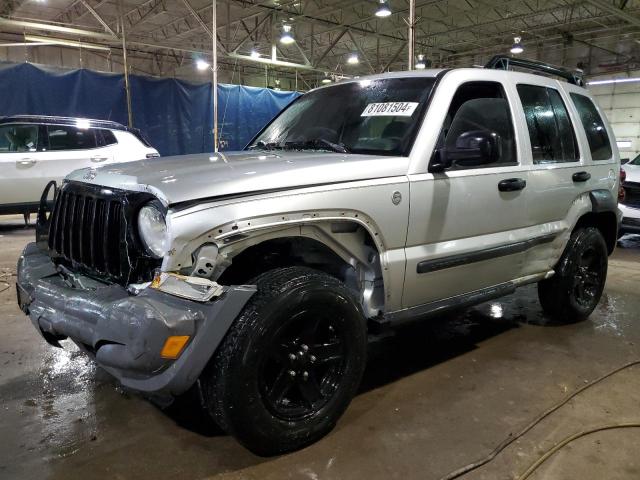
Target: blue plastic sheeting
[{"x": 176, "y": 116}]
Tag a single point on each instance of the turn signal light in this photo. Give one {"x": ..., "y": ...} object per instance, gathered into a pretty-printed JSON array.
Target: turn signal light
[{"x": 173, "y": 346}]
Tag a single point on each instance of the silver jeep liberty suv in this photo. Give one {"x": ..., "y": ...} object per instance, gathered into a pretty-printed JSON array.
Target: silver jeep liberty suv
[{"x": 256, "y": 276}]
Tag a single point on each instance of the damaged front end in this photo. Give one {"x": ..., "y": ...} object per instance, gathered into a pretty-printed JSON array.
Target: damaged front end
[{"x": 89, "y": 278}]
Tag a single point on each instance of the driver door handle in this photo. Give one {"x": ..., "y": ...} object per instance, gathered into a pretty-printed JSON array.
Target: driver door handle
[
  {"x": 26, "y": 162},
  {"x": 98, "y": 159},
  {"x": 581, "y": 176},
  {"x": 512, "y": 184}
]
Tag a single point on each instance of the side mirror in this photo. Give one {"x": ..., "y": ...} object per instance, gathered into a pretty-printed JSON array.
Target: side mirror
[{"x": 472, "y": 148}]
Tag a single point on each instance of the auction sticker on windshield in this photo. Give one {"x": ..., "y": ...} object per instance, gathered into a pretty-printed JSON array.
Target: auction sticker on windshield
[{"x": 390, "y": 109}]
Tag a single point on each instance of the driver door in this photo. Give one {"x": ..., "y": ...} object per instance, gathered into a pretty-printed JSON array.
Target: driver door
[{"x": 467, "y": 224}]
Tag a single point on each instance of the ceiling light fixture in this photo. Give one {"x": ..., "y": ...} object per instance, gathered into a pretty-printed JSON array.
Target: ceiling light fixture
[
  {"x": 254, "y": 53},
  {"x": 383, "y": 9},
  {"x": 40, "y": 40},
  {"x": 201, "y": 64},
  {"x": 326, "y": 78},
  {"x": 287, "y": 35},
  {"x": 353, "y": 59},
  {"x": 614, "y": 80},
  {"x": 421, "y": 64},
  {"x": 517, "y": 45}
]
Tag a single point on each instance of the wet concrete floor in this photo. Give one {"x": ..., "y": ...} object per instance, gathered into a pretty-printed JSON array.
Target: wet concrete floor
[{"x": 435, "y": 397}]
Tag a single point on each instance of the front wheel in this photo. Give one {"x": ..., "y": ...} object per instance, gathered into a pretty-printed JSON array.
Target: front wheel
[
  {"x": 575, "y": 289},
  {"x": 290, "y": 364}
]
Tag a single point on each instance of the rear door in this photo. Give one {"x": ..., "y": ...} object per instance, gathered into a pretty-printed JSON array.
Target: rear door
[
  {"x": 69, "y": 148},
  {"x": 562, "y": 168},
  {"x": 467, "y": 231}
]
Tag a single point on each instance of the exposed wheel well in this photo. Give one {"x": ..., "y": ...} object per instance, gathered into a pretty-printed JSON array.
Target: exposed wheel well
[
  {"x": 606, "y": 222},
  {"x": 283, "y": 252},
  {"x": 346, "y": 252}
]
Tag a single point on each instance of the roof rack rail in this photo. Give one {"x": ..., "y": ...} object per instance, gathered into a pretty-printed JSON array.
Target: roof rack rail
[{"x": 503, "y": 62}]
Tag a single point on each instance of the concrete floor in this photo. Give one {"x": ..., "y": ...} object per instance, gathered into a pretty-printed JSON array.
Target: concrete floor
[{"x": 435, "y": 397}]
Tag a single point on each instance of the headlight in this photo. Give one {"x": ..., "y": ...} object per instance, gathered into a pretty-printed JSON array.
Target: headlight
[{"x": 153, "y": 230}]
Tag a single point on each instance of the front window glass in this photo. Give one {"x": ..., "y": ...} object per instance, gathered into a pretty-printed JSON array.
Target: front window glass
[
  {"x": 18, "y": 138},
  {"x": 370, "y": 116}
]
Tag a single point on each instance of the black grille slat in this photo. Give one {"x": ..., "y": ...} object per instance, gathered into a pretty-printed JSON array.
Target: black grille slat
[
  {"x": 88, "y": 232},
  {"x": 85, "y": 233},
  {"x": 113, "y": 239},
  {"x": 106, "y": 238},
  {"x": 632, "y": 194},
  {"x": 98, "y": 239}
]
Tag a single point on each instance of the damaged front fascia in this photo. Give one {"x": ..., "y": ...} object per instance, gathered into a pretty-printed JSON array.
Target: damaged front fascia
[{"x": 126, "y": 332}]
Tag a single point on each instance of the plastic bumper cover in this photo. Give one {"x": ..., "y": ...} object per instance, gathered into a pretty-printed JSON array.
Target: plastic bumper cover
[{"x": 124, "y": 332}]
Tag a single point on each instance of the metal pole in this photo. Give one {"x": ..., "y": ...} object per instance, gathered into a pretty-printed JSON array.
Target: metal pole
[
  {"x": 412, "y": 33},
  {"x": 127, "y": 86},
  {"x": 214, "y": 84}
]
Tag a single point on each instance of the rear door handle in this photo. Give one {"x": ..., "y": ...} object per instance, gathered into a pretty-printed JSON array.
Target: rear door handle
[
  {"x": 581, "y": 176},
  {"x": 98, "y": 159},
  {"x": 26, "y": 162},
  {"x": 512, "y": 184}
]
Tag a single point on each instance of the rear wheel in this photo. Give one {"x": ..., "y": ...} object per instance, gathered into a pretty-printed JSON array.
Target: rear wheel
[
  {"x": 290, "y": 364},
  {"x": 575, "y": 289}
]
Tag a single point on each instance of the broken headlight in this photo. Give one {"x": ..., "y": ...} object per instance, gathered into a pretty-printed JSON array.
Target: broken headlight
[{"x": 153, "y": 230}]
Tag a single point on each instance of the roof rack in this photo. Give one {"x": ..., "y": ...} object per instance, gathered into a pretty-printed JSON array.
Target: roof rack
[{"x": 503, "y": 62}]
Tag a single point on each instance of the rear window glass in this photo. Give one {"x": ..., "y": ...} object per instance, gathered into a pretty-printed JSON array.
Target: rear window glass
[
  {"x": 63, "y": 137},
  {"x": 550, "y": 129},
  {"x": 599, "y": 143}
]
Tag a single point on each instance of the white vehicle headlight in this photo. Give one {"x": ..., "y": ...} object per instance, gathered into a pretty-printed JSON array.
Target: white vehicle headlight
[{"x": 153, "y": 230}]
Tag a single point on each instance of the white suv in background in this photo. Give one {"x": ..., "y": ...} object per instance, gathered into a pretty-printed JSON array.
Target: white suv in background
[
  {"x": 35, "y": 150},
  {"x": 630, "y": 197}
]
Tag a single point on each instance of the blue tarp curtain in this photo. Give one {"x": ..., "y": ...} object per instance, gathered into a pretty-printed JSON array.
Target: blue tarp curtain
[{"x": 176, "y": 116}]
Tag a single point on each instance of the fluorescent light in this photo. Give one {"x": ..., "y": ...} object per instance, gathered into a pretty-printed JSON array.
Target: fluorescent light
[
  {"x": 353, "y": 59},
  {"x": 39, "y": 40},
  {"x": 517, "y": 45},
  {"x": 624, "y": 144},
  {"x": 383, "y": 9},
  {"x": 421, "y": 64},
  {"x": 614, "y": 80},
  {"x": 201, "y": 64},
  {"x": 287, "y": 35}
]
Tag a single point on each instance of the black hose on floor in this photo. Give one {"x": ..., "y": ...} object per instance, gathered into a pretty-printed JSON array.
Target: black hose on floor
[
  {"x": 512, "y": 438},
  {"x": 534, "y": 466}
]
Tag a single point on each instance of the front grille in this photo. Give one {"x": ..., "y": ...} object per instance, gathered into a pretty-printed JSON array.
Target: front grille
[
  {"x": 89, "y": 231},
  {"x": 632, "y": 194}
]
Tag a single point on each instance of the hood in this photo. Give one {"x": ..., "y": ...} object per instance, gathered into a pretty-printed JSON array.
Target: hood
[{"x": 191, "y": 177}]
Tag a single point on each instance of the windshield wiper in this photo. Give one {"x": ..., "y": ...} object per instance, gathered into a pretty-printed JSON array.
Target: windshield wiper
[
  {"x": 266, "y": 146},
  {"x": 317, "y": 144}
]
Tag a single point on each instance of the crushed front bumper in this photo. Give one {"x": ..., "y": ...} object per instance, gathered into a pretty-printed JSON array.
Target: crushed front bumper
[{"x": 125, "y": 332}]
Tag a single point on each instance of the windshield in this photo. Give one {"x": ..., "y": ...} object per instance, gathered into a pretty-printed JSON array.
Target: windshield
[
  {"x": 370, "y": 116},
  {"x": 635, "y": 161}
]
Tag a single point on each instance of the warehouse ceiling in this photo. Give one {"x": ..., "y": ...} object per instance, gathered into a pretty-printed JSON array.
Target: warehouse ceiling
[{"x": 166, "y": 37}]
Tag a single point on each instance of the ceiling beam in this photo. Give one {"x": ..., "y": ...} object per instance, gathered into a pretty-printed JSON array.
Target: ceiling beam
[{"x": 615, "y": 11}]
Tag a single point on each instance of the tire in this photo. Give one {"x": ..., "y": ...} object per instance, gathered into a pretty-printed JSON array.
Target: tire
[
  {"x": 575, "y": 289},
  {"x": 302, "y": 321}
]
